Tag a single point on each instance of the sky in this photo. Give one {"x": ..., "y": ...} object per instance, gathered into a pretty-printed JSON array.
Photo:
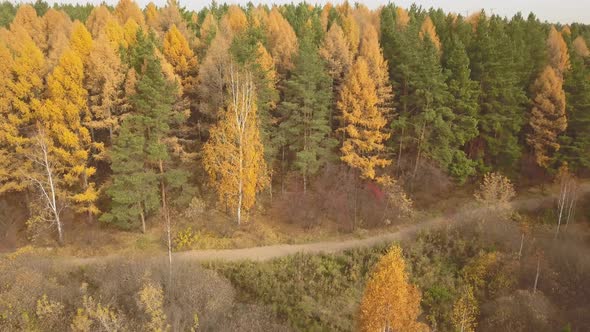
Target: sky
[{"x": 563, "y": 11}]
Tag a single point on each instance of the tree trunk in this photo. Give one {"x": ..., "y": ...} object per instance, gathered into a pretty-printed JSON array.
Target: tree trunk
[
  {"x": 142, "y": 221},
  {"x": 240, "y": 181},
  {"x": 419, "y": 151},
  {"x": 561, "y": 204},
  {"x": 167, "y": 218},
  {"x": 401, "y": 147},
  {"x": 521, "y": 245},
  {"x": 537, "y": 276}
]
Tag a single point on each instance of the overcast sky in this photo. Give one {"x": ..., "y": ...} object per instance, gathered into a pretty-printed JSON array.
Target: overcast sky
[{"x": 564, "y": 11}]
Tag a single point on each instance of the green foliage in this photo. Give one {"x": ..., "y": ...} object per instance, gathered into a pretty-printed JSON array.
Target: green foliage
[
  {"x": 7, "y": 12},
  {"x": 306, "y": 110}
]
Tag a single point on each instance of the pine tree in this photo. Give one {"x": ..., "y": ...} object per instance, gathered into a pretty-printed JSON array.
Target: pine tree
[
  {"x": 305, "y": 108},
  {"x": 134, "y": 191},
  {"x": 575, "y": 142},
  {"x": 502, "y": 100},
  {"x": 233, "y": 155},
  {"x": 364, "y": 124},
  {"x": 143, "y": 138}
]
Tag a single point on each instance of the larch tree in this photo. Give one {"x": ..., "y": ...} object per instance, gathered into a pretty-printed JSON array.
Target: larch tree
[
  {"x": 104, "y": 81},
  {"x": 378, "y": 67},
  {"x": 27, "y": 19},
  {"x": 177, "y": 51},
  {"x": 306, "y": 109},
  {"x": 547, "y": 119},
  {"x": 402, "y": 18},
  {"x": 428, "y": 30},
  {"x": 349, "y": 26},
  {"x": 390, "y": 302},
  {"x": 580, "y": 47},
  {"x": 208, "y": 29},
  {"x": 233, "y": 155},
  {"x": 128, "y": 9},
  {"x": 234, "y": 21},
  {"x": 58, "y": 28},
  {"x": 23, "y": 66},
  {"x": 152, "y": 16},
  {"x": 557, "y": 52},
  {"x": 63, "y": 114},
  {"x": 363, "y": 123},
  {"x": 465, "y": 311},
  {"x": 282, "y": 41},
  {"x": 98, "y": 19}
]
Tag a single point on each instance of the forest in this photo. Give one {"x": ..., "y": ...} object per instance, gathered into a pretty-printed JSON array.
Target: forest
[{"x": 138, "y": 143}]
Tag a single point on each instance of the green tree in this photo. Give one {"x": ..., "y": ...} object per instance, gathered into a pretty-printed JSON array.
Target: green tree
[{"x": 306, "y": 110}]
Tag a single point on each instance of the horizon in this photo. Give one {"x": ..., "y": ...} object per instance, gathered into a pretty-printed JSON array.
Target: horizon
[{"x": 569, "y": 11}]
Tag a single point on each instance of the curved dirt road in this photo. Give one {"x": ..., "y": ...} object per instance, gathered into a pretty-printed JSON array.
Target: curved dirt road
[{"x": 465, "y": 214}]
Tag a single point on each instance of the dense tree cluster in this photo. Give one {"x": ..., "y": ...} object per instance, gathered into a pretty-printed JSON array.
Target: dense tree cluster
[{"x": 136, "y": 105}]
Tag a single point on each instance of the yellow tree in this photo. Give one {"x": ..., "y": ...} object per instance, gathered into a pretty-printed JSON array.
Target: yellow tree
[
  {"x": 127, "y": 9},
  {"x": 580, "y": 47},
  {"x": 337, "y": 54},
  {"x": 390, "y": 302},
  {"x": 234, "y": 21},
  {"x": 58, "y": 28},
  {"x": 98, "y": 20},
  {"x": 22, "y": 87},
  {"x": 429, "y": 30},
  {"x": 27, "y": 19},
  {"x": 547, "y": 118},
  {"x": 402, "y": 18},
  {"x": 557, "y": 52},
  {"x": 152, "y": 16},
  {"x": 104, "y": 81},
  {"x": 349, "y": 26},
  {"x": 363, "y": 122},
  {"x": 62, "y": 117},
  {"x": 208, "y": 29},
  {"x": 371, "y": 50},
  {"x": 178, "y": 53},
  {"x": 282, "y": 41},
  {"x": 465, "y": 311},
  {"x": 233, "y": 155}
]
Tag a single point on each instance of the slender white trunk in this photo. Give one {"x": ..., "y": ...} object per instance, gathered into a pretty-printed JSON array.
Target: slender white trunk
[
  {"x": 537, "y": 275},
  {"x": 521, "y": 245},
  {"x": 561, "y": 204}
]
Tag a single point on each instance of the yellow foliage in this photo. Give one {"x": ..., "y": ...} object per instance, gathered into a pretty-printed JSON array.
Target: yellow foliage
[
  {"x": 548, "y": 118},
  {"x": 402, "y": 18},
  {"x": 182, "y": 58},
  {"x": 81, "y": 40},
  {"x": 128, "y": 10},
  {"x": 208, "y": 28},
  {"x": 58, "y": 28},
  {"x": 465, "y": 311},
  {"x": 130, "y": 32},
  {"x": 151, "y": 300},
  {"x": 557, "y": 52},
  {"x": 580, "y": 47},
  {"x": 379, "y": 71},
  {"x": 26, "y": 18},
  {"x": 282, "y": 41},
  {"x": 496, "y": 192},
  {"x": 336, "y": 53},
  {"x": 233, "y": 156},
  {"x": 98, "y": 19},
  {"x": 363, "y": 122},
  {"x": 349, "y": 26},
  {"x": 428, "y": 29},
  {"x": 152, "y": 16},
  {"x": 234, "y": 21},
  {"x": 390, "y": 302}
]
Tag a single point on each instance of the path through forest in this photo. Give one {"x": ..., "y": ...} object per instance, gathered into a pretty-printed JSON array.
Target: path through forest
[{"x": 466, "y": 213}]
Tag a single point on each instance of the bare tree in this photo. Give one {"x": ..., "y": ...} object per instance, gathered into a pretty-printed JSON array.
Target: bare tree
[
  {"x": 45, "y": 179},
  {"x": 566, "y": 202}
]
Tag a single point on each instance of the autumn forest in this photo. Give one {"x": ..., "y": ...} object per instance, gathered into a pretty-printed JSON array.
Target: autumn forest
[{"x": 292, "y": 167}]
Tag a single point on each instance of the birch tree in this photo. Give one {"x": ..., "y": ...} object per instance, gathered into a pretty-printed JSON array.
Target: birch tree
[{"x": 233, "y": 156}]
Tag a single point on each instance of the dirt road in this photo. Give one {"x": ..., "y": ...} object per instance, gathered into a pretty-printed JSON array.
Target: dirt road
[{"x": 465, "y": 214}]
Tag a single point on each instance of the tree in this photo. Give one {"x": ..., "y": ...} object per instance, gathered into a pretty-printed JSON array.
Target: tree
[
  {"x": 128, "y": 10},
  {"x": 134, "y": 191},
  {"x": 465, "y": 311},
  {"x": 282, "y": 41},
  {"x": 98, "y": 20},
  {"x": 496, "y": 193},
  {"x": 233, "y": 155},
  {"x": 349, "y": 26},
  {"x": 58, "y": 28},
  {"x": 22, "y": 87},
  {"x": 26, "y": 18},
  {"x": 104, "y": 80},
  {"x": 45, "y": 177},
  {"x": 557, "y": 52},
  {"x": 390, "y": 302},
  {"x": 428, "y": 30},
  {"x": 548, "y": 118},
  {"x": 363, "y": 123},
  {"x": 151, "y": 300},
  {"x": 335, "y": 52},
  {"x": 305, "y": 108}
]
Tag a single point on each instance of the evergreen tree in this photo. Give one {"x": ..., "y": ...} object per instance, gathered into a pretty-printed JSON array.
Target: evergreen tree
[
  {"x": 575, "y": 142},
  {"x": 305, "y": 108},
  {"x": 502, "y": 100}
]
